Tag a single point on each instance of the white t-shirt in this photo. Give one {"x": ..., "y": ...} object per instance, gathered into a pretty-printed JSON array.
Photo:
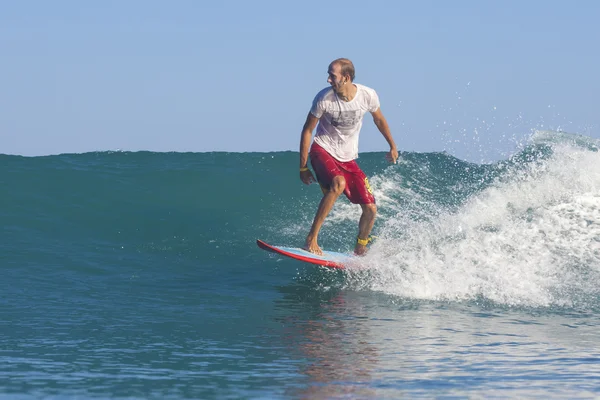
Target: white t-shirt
[{"x": 340, "y": 121}]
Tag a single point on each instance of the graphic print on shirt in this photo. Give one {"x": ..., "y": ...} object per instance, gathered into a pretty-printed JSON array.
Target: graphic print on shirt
[{"x": 345, "y": 118}]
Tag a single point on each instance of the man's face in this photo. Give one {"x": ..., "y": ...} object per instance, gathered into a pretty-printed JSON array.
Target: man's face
[{"x": 335, "y": 79}]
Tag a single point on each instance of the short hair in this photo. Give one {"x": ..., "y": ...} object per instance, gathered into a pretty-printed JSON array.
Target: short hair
[{"x": 346, "y": 67}]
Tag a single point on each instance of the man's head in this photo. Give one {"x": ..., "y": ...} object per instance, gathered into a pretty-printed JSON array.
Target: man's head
[{"x": 341, "y": 72}]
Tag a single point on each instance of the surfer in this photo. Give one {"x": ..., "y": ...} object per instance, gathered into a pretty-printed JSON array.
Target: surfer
[{"x": 337, "y": 113}]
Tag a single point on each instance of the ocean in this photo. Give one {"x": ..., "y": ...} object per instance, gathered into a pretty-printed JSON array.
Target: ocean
[{"x": 136, "y": 275}]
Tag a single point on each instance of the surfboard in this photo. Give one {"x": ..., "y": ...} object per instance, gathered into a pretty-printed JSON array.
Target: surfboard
[{"x": 331, "y": 259}]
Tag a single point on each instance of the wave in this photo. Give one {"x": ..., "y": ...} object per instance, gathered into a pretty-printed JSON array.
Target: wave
[{"x": 519, "y": 232}]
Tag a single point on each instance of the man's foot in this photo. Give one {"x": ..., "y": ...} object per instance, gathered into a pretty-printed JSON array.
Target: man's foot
[
  {"x": 361, "y": 245},
  {"x": 312, "y": 247},
  {"x": 360, "y": 250}
]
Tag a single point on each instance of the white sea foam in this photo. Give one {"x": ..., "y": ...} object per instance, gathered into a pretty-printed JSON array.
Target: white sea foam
[{"x": 532, "y": 238}]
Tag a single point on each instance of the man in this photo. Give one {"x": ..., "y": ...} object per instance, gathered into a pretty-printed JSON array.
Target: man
[{"x": 339, "y": 112}]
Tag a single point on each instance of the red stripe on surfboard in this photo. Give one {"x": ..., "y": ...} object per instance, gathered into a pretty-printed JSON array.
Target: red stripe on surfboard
[{"x": 317, "y": 261}]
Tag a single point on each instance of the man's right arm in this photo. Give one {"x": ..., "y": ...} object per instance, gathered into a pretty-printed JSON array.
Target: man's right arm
[{"x": 305, "y": 139}]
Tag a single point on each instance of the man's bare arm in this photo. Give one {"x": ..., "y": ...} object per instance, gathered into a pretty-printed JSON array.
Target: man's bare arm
[
  {"x": 309, "y": 126},
  {"x": 305, "y": 138},
  {"x": 384, "y": 128}
]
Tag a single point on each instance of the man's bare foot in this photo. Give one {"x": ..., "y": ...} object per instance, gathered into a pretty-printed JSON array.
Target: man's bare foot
[
  {"x": 360, "y": 250},
  {"x": 313, "y": 247}
]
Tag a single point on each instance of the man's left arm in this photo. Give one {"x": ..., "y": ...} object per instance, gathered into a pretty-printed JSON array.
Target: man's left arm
[{"x": 384, "y": 128}]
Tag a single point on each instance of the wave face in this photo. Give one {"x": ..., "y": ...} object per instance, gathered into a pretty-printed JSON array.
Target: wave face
[{"x": 520, "y": 231}]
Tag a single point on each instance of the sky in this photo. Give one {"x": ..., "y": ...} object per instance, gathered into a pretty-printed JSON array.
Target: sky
[{"x": 473, "y": 78}]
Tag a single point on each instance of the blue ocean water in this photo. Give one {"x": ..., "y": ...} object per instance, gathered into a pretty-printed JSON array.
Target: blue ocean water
[{"x": 136, "y": 275}]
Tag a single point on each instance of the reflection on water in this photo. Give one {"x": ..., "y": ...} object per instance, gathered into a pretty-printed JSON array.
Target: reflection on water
[
  {"x": 323, "y": 328},
  {"x": 368, "y": 345}
]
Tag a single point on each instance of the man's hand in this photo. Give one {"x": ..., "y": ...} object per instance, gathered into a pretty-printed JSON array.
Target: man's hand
[
  {"x": 392, "y": 156},
  {"x": 307, "y": 177}
]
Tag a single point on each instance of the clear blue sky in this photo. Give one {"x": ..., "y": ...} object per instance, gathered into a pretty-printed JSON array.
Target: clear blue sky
[{"x": 469, "y": 77}]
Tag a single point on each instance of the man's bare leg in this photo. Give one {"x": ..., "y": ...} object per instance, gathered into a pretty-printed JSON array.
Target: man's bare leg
[
  {"x": 365, "y": 225},
  {"x": 329, "y": 198}
]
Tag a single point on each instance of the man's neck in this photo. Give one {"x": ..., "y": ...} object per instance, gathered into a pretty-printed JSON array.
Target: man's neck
[{"x": 348, "y": 92}]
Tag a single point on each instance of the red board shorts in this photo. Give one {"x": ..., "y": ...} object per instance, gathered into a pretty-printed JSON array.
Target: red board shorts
[{"x": 326, "y": 168}]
